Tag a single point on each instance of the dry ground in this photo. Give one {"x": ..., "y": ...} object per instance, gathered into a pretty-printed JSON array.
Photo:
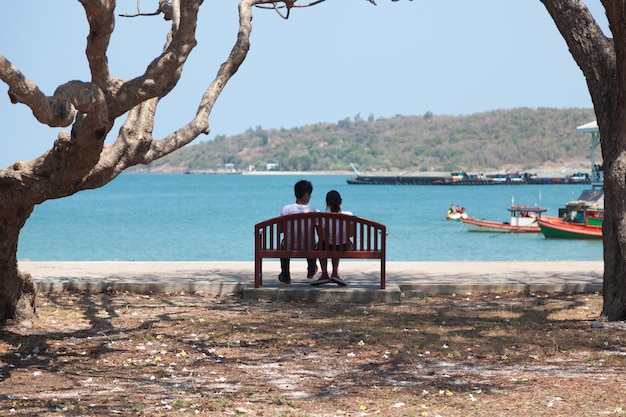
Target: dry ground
[{"x": 171, "y": 354}]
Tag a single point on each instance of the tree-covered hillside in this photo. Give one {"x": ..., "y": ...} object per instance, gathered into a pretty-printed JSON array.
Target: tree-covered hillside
[{"x": 517, "y": 139}]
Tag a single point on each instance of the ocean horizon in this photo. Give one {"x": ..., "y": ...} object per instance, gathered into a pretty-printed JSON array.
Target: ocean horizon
[{"x": 176, "y": 217}]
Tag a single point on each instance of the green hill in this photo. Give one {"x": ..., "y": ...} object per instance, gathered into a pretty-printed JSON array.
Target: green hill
[{"x": 517, "y": 139}]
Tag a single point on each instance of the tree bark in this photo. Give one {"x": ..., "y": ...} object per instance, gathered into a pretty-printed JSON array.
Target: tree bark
[
  {"x": 17, "y": 290},
  {"x": 612, "y": 123},
  {"x": 603, "y": 62},
  {"x": 614, "y": 233}
]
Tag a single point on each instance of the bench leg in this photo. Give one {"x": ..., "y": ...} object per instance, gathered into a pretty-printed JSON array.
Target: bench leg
[
  {"x": 258, "y": 278},
  {"x": 383, "y": 278}
]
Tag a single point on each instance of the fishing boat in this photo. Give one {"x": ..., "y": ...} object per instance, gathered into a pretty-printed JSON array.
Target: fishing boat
[
  {"x": 580, "y": 224},
  {"x": 582, "y": 218},
  {"x": 523, "y": 219},
  {"x": 579, "y": 219}
]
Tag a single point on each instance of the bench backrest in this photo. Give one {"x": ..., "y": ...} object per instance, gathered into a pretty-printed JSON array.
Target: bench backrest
[{"x": 300, "y": 232}]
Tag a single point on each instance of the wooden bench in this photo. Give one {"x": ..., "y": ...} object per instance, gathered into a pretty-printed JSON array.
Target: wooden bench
[{"x": 295, "y": 236}]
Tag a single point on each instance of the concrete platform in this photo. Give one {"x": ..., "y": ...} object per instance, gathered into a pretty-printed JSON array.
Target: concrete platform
[
  {"x": 327, "y": 293},
  {"x": 404, "y": 279}
]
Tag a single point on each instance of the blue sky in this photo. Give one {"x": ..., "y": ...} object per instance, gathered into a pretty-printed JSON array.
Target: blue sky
[{"x": 339, "y": 59}]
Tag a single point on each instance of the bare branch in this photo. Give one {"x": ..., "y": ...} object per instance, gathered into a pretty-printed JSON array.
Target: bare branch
[
  {"x": 591, "y": 49},
  {"x": 135, "y": 136},
  {"x": 101, "y": 24},
  {"x": 164, "y": 72},
  {"x": 22, "y": 90},
  {"x": 200, "y": 123},
  {"x": 292, "y": 4},
  {"x": 165, "y": 7},
  {"x": 58, "y": 110},
  {"x": 139, "y": 96},
  {"x": 175, "y": 14},
  {"x": 155, "y": 13},
  {"x": 289, "y": 5}
]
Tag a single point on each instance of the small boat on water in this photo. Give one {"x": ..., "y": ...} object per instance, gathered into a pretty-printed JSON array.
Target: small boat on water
[
  {"x": 456, "y": 213},
  {"x": 583, "y": 224},
  {"x": 523, "y": 219}
]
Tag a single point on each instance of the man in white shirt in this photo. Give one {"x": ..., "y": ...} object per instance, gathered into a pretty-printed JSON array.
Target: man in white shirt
[{"x": 302, "y": 190}]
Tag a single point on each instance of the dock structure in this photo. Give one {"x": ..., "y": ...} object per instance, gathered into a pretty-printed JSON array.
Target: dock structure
[
  {"x": 595, "y": 177},
  {"x": 465, "y": 179}
]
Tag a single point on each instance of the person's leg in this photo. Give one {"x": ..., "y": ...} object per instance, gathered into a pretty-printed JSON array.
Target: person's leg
[
  {"x": 311, "y": 267},
  {"x": 324, "y": 265},
  {"x": 335, "y": 277},
  {"x": 284, "y": 276},
  {"x": 335, "y": 261},
  {"x": 335, "y": 264},
  {"x": 323, "y": 278}
]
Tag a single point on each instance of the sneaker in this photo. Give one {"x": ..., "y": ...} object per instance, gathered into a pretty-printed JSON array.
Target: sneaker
[
  {"x": 310, "y": 274},
  {"x": 337, "y": 280},
  {"x": 286, "y": 279},
  {"x": 323, "y": 279}
]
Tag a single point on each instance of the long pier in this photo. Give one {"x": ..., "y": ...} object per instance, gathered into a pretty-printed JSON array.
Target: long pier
[{"x": 431, "y": 180}]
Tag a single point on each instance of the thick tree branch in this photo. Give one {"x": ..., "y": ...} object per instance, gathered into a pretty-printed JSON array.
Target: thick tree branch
[
  {"x": 135, "y": 136},
  {"x": 164, "y": 72},
  {"x": 200, "y": 123},
  {"x": 596, "y": 56},
  {"x": 21, "y": 90},
  {"x": 139, "y": 96},
  {"x": 132, "y": 143},
  {"x": 590, "y": 48},
  {"x": 58, "y": 110},
  {"x": 100, "y": 15}
]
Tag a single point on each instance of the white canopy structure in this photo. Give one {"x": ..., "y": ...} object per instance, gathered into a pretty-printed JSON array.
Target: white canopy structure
[
  {"x": 591, "y": 127},
  {"x": 597, "y": 172}
]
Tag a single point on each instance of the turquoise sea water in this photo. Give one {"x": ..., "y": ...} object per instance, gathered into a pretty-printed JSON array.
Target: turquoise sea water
[{"x": 171, "y": 217}]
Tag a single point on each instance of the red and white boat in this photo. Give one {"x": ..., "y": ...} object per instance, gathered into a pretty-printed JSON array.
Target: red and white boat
[{"x": 523, "y": 219}]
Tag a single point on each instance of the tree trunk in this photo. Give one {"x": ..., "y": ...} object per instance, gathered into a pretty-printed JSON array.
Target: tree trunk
[
  {"x": 614, "y": 226},
  {"x": 602, "y": 60},
  {"x": 609, "y": 95},
  {"x": 17, "y": 290}
]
